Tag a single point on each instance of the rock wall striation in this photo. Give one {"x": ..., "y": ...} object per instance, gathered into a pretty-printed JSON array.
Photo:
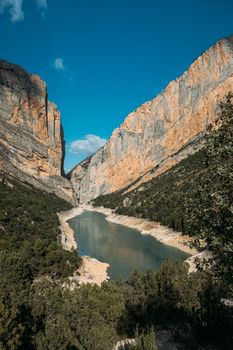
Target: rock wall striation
[
  {"x": 162, "y": 131},
  {"x": 31, "y": 135}
]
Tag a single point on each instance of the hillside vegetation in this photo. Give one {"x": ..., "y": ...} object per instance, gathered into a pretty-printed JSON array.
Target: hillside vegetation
[
  {"x": 29, "y": 232},
  {"x": 162, "y": 198},
  {"x": 43, "y": 314},
  {"x": 195, "y": 196},
  {"x": 29, "y": 248}
]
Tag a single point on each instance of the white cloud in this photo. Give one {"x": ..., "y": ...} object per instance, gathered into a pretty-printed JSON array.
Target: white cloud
[
  {"x": 15, "y": 9},
  {"x": 42, "y": 4},
  {"x": 90, "y": 144},
  {"x": 58, "y": 64}
]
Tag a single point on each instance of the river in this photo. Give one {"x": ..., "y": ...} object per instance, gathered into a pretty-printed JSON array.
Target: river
[{"x": 125, "y": 249}]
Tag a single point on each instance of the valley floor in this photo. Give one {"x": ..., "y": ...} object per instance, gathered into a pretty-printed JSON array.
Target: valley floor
[
  {"x": 162, "y": 233},
  {"x": 94, "y": 271}
]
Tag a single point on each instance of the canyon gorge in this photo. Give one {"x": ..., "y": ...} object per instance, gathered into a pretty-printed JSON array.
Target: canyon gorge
[{"x": 152, "y": 139}]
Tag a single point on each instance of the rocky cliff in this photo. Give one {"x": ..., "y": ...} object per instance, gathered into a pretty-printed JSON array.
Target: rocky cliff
[
  {"x": 160, "y": 132},
  {"x": 31, "y": 135}
]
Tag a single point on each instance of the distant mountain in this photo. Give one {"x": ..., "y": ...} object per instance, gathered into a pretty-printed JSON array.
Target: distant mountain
[{"x": 161, "y": 132}]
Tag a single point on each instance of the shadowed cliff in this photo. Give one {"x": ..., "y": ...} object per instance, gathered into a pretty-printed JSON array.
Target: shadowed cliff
[{"x": 31, "y": 136}]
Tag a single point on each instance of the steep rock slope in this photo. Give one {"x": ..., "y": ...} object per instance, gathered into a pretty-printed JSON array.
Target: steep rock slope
[
  {"x": 31, "y": 135},
  {"x": 161, "y": 132}
]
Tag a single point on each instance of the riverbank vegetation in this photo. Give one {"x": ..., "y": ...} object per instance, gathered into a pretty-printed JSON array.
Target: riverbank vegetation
[
  {"x": 37, "y": 312},
  {"x": 194, "y": 196},
  {"x": 29, "y": 231},
  {"x": 29, "y": 249},
  {"x": 91, "y": 317},
  {"x": 162, "y": 198}
]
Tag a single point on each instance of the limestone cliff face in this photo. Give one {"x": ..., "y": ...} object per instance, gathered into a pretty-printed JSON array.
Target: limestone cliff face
[
  {"x": 162, "y": 131},
  {"x": 31, "y": 136}
]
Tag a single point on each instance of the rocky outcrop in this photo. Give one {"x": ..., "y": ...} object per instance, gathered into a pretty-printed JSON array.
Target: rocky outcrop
[
  {"x": 160, "y": 132},
  {"x": 31, "y": 135}
]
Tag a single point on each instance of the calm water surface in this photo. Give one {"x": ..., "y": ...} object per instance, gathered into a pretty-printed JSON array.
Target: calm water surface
[{"x": 125, "y": 249}]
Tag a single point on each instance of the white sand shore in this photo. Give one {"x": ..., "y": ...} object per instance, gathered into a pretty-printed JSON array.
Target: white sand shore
[
  {"x": 67, "y": 235},
  {"x": 91, "y": 271},
  {"x": 94, "y": 271}
]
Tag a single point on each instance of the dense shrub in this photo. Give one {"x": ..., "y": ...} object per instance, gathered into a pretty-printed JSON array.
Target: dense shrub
[
  {"x": 84, "y": 319},
  {"x": 29, "y": 248},
  {"x": 29, "y": 226},
  {"x": 188, "y": 304},
  {"x": 145, "y": 340}
]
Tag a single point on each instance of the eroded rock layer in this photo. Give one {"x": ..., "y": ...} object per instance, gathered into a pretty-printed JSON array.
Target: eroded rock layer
[
  {"x": 31, "y": 136},
  {"x": 160, "y": 132}
]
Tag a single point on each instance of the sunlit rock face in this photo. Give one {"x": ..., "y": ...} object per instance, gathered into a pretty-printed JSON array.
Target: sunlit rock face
[
  {"x": 160, "y": 132},
  {"x": 31, "y": 136}
]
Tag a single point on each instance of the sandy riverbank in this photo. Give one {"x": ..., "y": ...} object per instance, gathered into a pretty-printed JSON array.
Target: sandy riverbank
[
  {"x": 91, "y": 271},
  {"x": 94, "y": 271},
  {"x": 162, "y": 233},
  {"x": 67, "y": 235}
]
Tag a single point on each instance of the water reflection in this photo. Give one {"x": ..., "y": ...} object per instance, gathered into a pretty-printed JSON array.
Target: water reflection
[{"x": 125, "y": 249}]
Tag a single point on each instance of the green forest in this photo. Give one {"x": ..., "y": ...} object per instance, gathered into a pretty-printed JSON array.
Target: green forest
[
  {"x": 38, "y": 312},
  {"x": 194, "y": 196}
]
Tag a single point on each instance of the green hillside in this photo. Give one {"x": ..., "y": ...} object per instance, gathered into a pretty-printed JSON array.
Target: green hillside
[
  {"x": 194, "y": 196},
  {"x": 162, "y": 198},
  {"x": 29, "y": 231},
  {"x": 45, "y": 315}
]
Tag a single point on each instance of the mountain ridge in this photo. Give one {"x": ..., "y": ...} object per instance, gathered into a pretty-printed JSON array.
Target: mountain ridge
[{"x": 159, "y": 129}]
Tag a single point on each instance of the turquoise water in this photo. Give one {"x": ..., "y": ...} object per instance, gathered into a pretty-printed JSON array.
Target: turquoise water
[{"x": 125, "y": 249}]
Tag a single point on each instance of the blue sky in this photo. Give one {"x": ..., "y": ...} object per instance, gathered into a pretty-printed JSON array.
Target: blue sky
[{"x": 103, "y": 58}]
